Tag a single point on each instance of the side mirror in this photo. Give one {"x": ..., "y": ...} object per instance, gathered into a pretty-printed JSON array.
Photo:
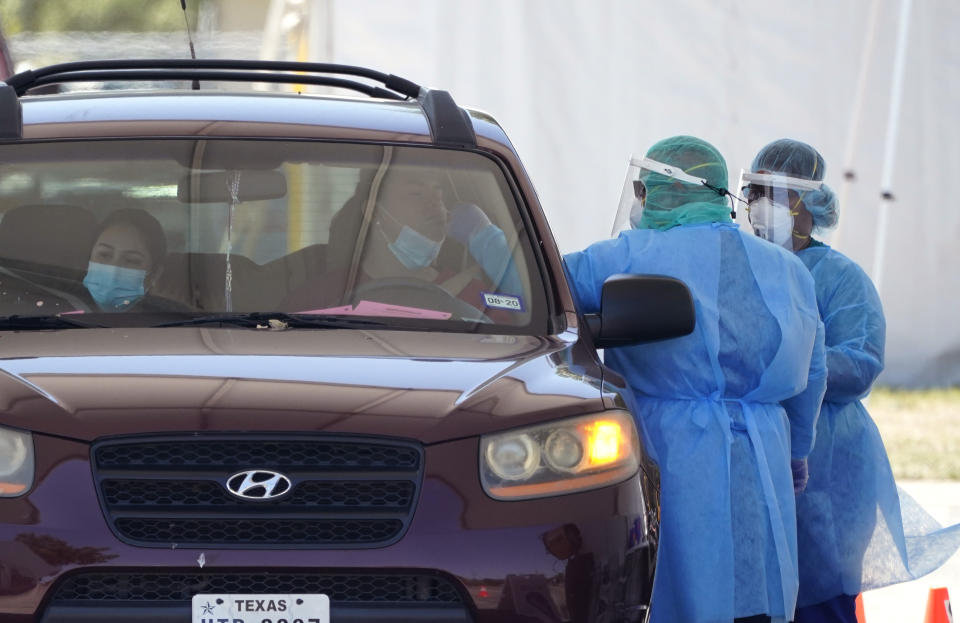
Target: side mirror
[{"x": 636, "y": 309}]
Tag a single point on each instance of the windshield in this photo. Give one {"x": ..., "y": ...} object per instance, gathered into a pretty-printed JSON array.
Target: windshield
[{"x": 183, "y": 229}]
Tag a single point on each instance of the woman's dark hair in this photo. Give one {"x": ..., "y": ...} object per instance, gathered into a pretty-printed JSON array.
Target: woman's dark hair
[{"x": 149, "y": 228}]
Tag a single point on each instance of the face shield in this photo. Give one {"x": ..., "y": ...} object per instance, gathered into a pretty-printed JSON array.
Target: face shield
[
  {"x": 773, "y": 202},
  {"x": 635, "y": 188}
]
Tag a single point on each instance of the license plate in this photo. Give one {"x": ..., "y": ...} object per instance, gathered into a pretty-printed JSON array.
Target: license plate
[{"x": 278, "y": 608}]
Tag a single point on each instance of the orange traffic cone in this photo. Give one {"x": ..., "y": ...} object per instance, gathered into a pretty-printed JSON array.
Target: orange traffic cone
[
  {"x": 938, "y": 607},
  {"x": 861, "y": 616}
]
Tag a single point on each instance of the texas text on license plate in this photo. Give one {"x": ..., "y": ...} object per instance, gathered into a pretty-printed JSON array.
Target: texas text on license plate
[{"x": 277, "y": 608}]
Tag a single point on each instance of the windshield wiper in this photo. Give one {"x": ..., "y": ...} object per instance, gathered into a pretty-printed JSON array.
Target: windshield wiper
[
  {"x": 276, "y": 320},
  {"x": 18, "y": 322}
]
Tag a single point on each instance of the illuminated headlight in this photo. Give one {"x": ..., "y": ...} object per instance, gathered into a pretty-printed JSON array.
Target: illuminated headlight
[
  {"x": 561, "y": 457},
  {"x": 16, "y": 462}
]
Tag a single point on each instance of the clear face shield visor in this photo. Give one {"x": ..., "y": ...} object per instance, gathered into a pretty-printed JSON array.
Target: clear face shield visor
[
  {"x": 634, "y": 194},
  {"x": 773, "y": 202}
]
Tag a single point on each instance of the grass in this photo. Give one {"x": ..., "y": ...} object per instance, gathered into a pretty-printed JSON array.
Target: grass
[{"x": 921, "y": 430}]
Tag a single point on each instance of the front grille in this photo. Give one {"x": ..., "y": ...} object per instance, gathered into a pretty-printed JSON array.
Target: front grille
[
  {"x": 354, "y": 588},
  {"x": 344, "y": 492},
  {"x": 136, "y": 494},
  {"x": 201, "y": 453},
  {"x": 282, "y": 532}
]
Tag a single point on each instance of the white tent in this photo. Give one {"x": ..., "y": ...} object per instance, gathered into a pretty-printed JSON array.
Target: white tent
[{"x": 579, "y": 85}]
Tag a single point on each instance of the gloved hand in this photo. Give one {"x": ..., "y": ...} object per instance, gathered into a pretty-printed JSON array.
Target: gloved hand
[
  {"x": 466, "y": 219},
  {"x": 800, "y": 475}
]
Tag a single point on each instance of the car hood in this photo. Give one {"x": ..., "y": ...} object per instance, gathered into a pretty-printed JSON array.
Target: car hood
[{"x": 432, "y": 387}]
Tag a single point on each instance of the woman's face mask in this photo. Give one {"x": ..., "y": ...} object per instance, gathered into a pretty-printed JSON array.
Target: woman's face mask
[
  {"x": 772, "y": 221},
  {"x": 413, "y": 249},
  {"x": 114, "y": 288}
]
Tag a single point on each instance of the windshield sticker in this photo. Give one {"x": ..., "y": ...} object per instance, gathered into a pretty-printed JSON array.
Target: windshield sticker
[{"x": 503, "y": 301}]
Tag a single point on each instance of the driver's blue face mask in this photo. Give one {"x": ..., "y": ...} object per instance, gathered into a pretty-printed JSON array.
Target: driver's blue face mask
[
  {"x": 411, "y": 248},
  {"x": 114, "y": 288}
]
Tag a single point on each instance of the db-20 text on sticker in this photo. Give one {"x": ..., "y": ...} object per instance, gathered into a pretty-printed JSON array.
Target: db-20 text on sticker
[{"x": 503, "y": 301}]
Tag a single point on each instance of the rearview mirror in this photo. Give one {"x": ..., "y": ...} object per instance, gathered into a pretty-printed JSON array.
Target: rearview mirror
[
  {"x": 219, "y": 186},
  {"x": 636, "y": 309}
]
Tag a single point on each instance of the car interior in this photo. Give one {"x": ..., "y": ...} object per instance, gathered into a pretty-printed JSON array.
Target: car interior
[{"x": 247, "y": 223}]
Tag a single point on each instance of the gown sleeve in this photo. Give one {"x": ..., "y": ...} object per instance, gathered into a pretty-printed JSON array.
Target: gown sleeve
[
  {"x": 803, "y": 409},
  {"x": 490, "y": 249},
  {"x": 588, "y": 269},
  {"x": 855, "y": 335}
]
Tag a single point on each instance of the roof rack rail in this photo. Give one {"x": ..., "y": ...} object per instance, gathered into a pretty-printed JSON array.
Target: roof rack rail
[
  {"x": 107, "y": 75},
  {"x": 449, "y": 124},
  {"x": 231, "y": 70}
]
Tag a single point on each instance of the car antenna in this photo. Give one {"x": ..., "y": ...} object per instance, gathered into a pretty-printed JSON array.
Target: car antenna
[{"x": 193, "y": 52}]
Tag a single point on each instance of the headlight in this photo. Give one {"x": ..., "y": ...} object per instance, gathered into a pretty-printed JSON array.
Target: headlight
[
  {"x": 516, "y": 457},
  {"x": 561, "y": 457},
  {"x": 16, "y": 462}
]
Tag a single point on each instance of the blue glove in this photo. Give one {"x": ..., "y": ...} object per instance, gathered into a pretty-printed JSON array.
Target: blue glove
[
  {"x": 466, "y": 220},
  {"x": 800, "y": 475}
]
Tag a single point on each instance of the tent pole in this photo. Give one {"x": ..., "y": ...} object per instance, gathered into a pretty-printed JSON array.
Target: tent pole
[
  {"x": 889, "y": 151},
  {"x": 849, "y": 172}
]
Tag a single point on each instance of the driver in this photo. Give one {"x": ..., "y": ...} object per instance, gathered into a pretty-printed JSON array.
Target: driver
[{"x": 408, "y": 227}]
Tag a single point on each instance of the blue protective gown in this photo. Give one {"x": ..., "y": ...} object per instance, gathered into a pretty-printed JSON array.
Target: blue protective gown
[
  {"x": 855, "y": 531},
  {"x": 725, "y": 409}
]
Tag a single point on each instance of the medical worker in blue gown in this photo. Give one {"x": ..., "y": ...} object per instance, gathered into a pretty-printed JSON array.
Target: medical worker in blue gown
[
  {"x": 852, "y": 533},
  {"x": 730, "y": 408}
]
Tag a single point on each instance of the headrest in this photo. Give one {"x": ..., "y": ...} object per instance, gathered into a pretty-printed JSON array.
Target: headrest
[{"x": 50, "y": 235}]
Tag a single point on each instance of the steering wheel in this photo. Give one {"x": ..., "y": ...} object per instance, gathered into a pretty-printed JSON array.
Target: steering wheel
[
  {"x": 417, "y": 293},
  {"x": 21, "y": 295}
]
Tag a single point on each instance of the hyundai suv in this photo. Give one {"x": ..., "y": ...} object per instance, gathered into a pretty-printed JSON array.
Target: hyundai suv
[{"x": 279, "y": 358}]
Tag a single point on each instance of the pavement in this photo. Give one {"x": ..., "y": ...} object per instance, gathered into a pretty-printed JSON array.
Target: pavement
[{"x": 907, "y": 602}]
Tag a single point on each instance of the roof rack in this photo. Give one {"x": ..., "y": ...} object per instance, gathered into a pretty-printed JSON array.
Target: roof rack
[
  {"x": 232, "y": 70},
  {"x": 449, "y": 124}
]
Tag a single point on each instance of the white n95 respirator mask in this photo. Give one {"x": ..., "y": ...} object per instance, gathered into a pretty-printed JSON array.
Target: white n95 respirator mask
[{"x": 772, "y": 221}]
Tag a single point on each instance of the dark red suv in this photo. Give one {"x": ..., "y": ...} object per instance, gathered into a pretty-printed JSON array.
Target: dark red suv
[{"x": 279, "y": 358}]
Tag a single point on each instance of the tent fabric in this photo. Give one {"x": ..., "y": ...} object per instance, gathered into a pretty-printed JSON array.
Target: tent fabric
[{"x": 580, "y": 86}]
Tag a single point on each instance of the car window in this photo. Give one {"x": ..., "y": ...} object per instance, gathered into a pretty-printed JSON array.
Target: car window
[{"x": 207, "y": 226}]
